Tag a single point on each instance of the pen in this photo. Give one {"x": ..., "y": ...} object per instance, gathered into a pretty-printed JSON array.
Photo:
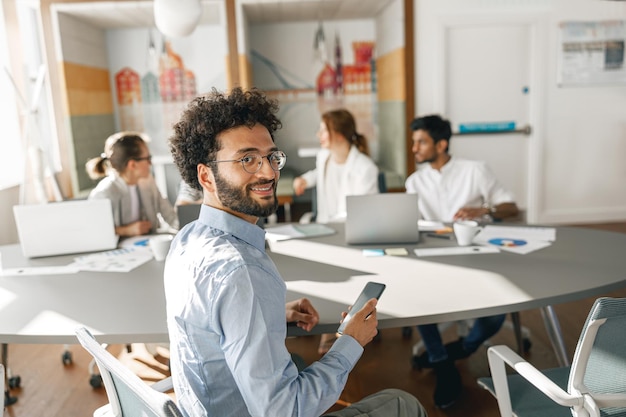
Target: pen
[{"x": 438, "y": 236}]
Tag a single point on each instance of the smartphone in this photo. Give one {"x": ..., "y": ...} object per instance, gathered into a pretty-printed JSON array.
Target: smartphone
[{"x": 371, "y": 290}]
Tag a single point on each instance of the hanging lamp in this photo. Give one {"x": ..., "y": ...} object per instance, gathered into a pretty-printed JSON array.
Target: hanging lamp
[{"x": 177, "y": 18}]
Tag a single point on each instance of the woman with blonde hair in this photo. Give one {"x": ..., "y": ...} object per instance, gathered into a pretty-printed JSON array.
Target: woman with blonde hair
[{"x": 126, "y": 179}]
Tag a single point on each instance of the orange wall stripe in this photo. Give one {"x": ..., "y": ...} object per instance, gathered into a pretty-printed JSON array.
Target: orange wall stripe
[
  {"x": 88, "y": 90},
  {"x": 391, "y": 76}
]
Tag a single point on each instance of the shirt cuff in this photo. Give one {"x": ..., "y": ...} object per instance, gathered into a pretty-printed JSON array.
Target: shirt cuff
[{"x": 348, "y": 347}]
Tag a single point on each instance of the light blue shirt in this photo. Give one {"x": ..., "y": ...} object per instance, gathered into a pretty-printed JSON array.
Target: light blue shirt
[{"x": 227, "y": 328}]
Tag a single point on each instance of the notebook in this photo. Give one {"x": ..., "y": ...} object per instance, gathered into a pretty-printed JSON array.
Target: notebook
[
  {"x": 382, "y": 218},
  {"x": 187, "y": 213},
  {"x": 65, "y": 227}
]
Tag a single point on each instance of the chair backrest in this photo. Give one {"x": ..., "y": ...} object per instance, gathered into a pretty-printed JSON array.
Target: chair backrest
[
  {"x": 599, "y": 363},
  {"x": 128, "y": 394},
  {"x": 382, "y": 182}
]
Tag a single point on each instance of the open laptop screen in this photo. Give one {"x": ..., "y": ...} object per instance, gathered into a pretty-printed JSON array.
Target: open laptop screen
[
  {"x": 382, "y": 218},
  {"x": 65, "y": 227}
]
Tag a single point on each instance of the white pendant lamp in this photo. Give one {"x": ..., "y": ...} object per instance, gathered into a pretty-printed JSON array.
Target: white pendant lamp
[{"x": 177, "y": 18}]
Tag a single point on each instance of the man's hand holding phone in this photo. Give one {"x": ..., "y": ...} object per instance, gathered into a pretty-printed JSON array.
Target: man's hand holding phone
[
  {"x": 363, "y": 314},
  {"x": 363, "y": 324}
]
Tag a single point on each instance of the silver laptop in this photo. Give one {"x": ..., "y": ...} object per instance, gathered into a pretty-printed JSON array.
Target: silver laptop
[
  {"x": 382, "y": 218},
  {"x": 65, "y": 227}
]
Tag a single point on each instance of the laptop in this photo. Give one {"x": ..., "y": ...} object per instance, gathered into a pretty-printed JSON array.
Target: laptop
[
  {"x": 187, "y": 213},
  {"x": 65, "y": 227},
  {"x": 382, "y": 218}
]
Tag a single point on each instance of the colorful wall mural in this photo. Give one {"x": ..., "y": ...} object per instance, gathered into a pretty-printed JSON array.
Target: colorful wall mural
[{"x": 340, "y": 73}]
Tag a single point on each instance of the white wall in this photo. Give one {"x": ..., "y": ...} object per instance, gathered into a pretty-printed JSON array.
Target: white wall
[
  {"x": 290, "y": 46},
  {"x": 578, "y": 170},
  {"x": 390, "y": 28}
]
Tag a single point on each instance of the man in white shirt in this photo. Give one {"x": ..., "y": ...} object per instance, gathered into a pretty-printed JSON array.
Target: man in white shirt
[{"x": 452, "y": 189}]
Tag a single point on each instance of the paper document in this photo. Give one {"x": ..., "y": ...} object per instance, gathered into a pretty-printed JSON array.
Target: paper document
[
  {"x": 39, "y": 270},
  {"x": 456, "y": 250},
  {"x": 295, "y": 231},
  {"x": 520, "y": 240},
  {"x": 130, "y": 242},
  {"x": 118, "y": 260},
  {"x": 432, "y": 226}
]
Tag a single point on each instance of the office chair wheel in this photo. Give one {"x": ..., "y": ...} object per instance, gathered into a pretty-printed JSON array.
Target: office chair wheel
[
  {"x": 14, "y": 381},
  {"x": 407, "y": 332},
  {"x": 95, "y": 381},
  {"x": 66, "y": 358},
  {"x": 8, "y": 400}
]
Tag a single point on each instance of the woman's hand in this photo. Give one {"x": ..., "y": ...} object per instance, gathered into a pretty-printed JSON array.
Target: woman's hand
[{"x": 299, "y": 185}]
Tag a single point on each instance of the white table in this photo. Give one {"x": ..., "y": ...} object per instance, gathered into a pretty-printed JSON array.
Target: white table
[
  {"x": 130, "y": 307},
  {"x": 581, "y": 263}
]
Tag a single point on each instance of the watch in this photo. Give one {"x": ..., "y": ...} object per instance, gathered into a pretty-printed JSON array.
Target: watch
[{"x": 491, "y": 210}]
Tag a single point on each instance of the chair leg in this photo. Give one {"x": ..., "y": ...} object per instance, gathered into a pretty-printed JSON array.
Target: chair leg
[
  {"x": 9, "y": 381},
  {"x": 517, "y": 329}
]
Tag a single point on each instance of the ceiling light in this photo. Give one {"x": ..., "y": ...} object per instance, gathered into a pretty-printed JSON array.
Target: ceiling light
[{"x": 177, "y": 18}]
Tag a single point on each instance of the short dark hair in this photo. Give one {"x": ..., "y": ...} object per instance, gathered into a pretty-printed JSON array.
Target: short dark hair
[
  {"x": 195, "y": 136},
  {"x": 437, "y": 128}
]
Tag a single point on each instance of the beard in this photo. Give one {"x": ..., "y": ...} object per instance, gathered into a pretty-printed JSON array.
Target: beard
[
  {"x": 426, "y": 159},
  {"x": 240, "y": 200}
]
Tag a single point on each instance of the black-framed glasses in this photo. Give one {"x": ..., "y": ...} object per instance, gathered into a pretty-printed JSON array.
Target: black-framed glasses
[
  {"x": 144, "y": 158},
  {"x": 252, "y": 162}
]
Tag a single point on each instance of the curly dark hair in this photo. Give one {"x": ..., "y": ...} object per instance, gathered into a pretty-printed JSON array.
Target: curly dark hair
[{"x": 195, "y": 136}]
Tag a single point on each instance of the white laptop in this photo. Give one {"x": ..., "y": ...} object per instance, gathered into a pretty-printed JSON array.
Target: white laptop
[
  {"x": 65, "y": 227},
  {"x": 382, "y": 218}
]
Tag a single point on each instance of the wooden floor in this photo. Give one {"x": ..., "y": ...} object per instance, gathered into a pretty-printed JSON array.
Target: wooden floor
[{"x": 50, "y": 388}]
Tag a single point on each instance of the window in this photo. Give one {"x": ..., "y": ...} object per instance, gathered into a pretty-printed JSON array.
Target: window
[
  {"x": 24, "y": 110},
  {"x": 11, "y": 157}
]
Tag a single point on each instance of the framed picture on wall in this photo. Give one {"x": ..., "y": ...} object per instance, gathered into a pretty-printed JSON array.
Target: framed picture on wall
[{"x": 592, "y": 53}]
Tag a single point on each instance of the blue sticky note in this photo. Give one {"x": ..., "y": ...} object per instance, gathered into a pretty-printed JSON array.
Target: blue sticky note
[{"x": 373, "y": 252}]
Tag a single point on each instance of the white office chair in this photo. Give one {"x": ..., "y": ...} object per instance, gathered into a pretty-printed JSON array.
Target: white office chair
[
  {"x": 593, "y": 386},
  {"x": 128, "y": 394}
]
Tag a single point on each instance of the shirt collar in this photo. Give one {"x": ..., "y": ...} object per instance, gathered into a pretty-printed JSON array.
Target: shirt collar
[
  {"x": 448, "y": 165},
  {"x": 228, "y": 223}
]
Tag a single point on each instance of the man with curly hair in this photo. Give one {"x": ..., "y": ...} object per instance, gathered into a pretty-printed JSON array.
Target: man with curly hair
[{"x": 225, "y": 298}]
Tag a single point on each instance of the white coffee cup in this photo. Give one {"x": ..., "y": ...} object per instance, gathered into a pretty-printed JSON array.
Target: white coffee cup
[
  {"x": 160, "y": 246},
  {"x": 465, "y": 230}
]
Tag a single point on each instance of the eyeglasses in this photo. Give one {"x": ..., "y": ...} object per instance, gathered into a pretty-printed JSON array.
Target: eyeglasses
[
  {"x": 144, "y": 158},
  {"x": 252, "y": 162}
]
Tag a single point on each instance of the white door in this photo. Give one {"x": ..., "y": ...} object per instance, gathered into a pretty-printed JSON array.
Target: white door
[{"x": 487, "y": 81}]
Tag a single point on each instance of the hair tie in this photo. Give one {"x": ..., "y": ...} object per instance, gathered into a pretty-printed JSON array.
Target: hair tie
[
  {"x": 354, "y": 137},
  {"x": 103, "y": 156}
]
